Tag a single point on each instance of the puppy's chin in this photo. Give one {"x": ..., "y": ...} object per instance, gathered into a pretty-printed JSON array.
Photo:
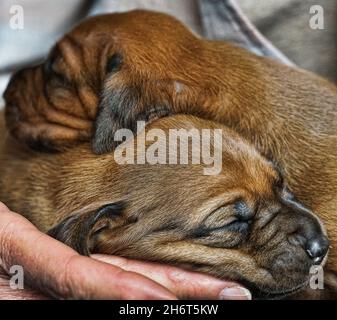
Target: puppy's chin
[
  {"x": 271, "y": 288},
  {"x": 264, "y": 294},
  {"x": 259, "y": 291},
  {"x": 272, "y": 280}
]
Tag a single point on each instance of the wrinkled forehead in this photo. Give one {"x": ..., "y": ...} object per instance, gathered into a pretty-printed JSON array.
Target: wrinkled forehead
[{"x": 204, "y": 148}]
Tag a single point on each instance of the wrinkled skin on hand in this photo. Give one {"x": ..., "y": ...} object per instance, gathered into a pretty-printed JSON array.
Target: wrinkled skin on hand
[{"x": 63, "y": 273}]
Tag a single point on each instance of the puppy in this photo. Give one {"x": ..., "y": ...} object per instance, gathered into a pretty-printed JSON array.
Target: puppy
[
  {"x": 242, "y": 224},
  {"x": 113, "y": 70}
]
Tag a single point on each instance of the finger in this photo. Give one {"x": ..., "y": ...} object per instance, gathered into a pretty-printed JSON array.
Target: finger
[
  {"x": 59, "y": 271},
  {"x": 185, "y": 284},
  {"x": 9, "y": 293}
]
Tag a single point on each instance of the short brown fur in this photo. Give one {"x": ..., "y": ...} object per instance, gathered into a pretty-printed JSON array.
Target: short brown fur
[{"x": 289, "y": 115}]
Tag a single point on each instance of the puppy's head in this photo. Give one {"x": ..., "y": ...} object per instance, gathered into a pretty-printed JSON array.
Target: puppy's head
[
  {"x": 241, "y": 224},
  {"x": 121, "y": 67}
]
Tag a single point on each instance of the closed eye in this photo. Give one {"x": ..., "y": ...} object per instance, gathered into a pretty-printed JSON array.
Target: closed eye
[
  {"x": 225, "y": 232},
  {"x": 114, "y": 63},
  {"x": 219, "y": 218},
  {"x": 234, "y": 226},
  {"x": 233, "y": 217}
]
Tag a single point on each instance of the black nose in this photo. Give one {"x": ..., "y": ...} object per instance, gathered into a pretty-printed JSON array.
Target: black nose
[
  {"x": 317, "y": 248},
  {"x": 309, "y": 233}
]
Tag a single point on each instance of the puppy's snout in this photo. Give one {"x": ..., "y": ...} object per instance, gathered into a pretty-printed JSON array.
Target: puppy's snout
[
  {"x": 309, "y": 235},
  {"x": 317, "y": 248}
]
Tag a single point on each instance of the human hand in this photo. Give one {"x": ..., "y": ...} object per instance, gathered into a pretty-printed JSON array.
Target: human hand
[{"x": 58, "y": 271}]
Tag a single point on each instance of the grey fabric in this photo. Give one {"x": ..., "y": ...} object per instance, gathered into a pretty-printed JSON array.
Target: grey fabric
[
  {"x": 184, "y": 10},
  {"x": 286, "y": 24},
  {"x": 223, "y": 20}
]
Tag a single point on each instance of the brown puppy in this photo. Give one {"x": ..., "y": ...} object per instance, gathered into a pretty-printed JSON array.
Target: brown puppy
[
  {"x": 143, "y": 65},
  {"x": 242, "y": 224}
]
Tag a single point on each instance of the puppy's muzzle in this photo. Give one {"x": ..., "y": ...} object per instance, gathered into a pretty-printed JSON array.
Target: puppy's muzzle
[
  {"x": 307, "y": 231},
  {"x": 311, "y": 237}
]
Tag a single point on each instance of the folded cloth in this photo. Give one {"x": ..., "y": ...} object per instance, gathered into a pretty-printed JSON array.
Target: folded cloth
[
  {"x": 286, "y": 24},
  {"x": 224, "y": 20}
]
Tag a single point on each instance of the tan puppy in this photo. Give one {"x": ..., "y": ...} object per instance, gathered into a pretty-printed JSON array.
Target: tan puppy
[
  {"x": 143, "y": 65},
  {"x": 242, "y": 224}
]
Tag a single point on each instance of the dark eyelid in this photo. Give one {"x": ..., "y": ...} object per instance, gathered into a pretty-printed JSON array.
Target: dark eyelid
[
  {"x": 229, "y": 203},
  {"x": 240, "y": 215},
  {"x": 233, "y": 226},
  {"x": 214, "y": 211},
  {"x": 242, "y": 211},
  {"x": 114, "y": 63}
]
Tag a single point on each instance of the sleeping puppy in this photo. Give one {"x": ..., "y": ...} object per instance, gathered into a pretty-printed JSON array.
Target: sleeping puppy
[
  {"x": 115, "y": 69},
  {"x": 241, "y": 224}
]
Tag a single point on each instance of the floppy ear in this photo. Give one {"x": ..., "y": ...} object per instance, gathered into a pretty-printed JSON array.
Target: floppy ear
[{"x": 76, "y": 230}]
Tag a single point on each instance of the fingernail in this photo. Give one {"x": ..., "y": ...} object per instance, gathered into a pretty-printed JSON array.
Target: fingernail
[{"x": 235, "y": 293}]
